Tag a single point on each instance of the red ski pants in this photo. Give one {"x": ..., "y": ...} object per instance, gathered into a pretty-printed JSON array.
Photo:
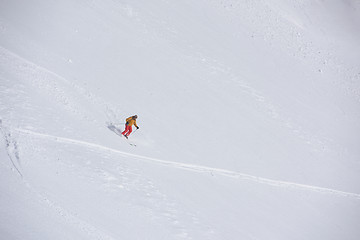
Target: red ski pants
[{"x": 127, "y": 131}]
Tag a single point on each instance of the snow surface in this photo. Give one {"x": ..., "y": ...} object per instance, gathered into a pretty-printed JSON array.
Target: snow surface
[{"x": 249, "y": 115}]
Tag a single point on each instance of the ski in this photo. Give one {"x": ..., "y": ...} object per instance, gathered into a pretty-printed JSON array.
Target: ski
[{"x": 128, "y": 141}]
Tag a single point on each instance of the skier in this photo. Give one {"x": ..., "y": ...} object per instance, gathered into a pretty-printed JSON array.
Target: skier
[{"x": 128, "y": 126}]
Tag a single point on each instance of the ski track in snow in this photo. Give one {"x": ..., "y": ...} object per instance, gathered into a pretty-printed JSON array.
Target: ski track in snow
[
  {"x": 47, "y": 81},
  {"x": 11, "y": 149},
  {"x": 195, "y": 168},
  {"x": 72, "y": 219}
]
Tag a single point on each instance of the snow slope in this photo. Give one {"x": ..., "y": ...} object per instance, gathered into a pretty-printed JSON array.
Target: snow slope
[{"x": 248, "y": 112}]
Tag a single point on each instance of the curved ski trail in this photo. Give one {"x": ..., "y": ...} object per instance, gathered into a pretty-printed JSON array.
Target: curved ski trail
[{"x": 195, "y": 168}]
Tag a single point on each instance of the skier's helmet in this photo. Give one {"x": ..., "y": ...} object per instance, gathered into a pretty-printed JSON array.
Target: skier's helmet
[{"x": 135, "y": 116}]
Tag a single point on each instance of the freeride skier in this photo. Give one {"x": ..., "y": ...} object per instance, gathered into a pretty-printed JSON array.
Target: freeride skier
[{"x": 128, "y": 125}]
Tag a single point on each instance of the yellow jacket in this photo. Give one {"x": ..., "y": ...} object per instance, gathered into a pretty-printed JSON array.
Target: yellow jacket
[{"x": 130, "y": 121}]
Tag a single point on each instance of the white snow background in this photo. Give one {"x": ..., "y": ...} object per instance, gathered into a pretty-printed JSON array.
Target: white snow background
[{"x": 249, "y": 115}]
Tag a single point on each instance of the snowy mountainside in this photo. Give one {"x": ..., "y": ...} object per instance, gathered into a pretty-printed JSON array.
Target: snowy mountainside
[{"x": 248, "y": 113}]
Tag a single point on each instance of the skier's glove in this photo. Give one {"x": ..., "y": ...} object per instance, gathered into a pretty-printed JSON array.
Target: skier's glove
[{"x": 137, "y": 127}]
